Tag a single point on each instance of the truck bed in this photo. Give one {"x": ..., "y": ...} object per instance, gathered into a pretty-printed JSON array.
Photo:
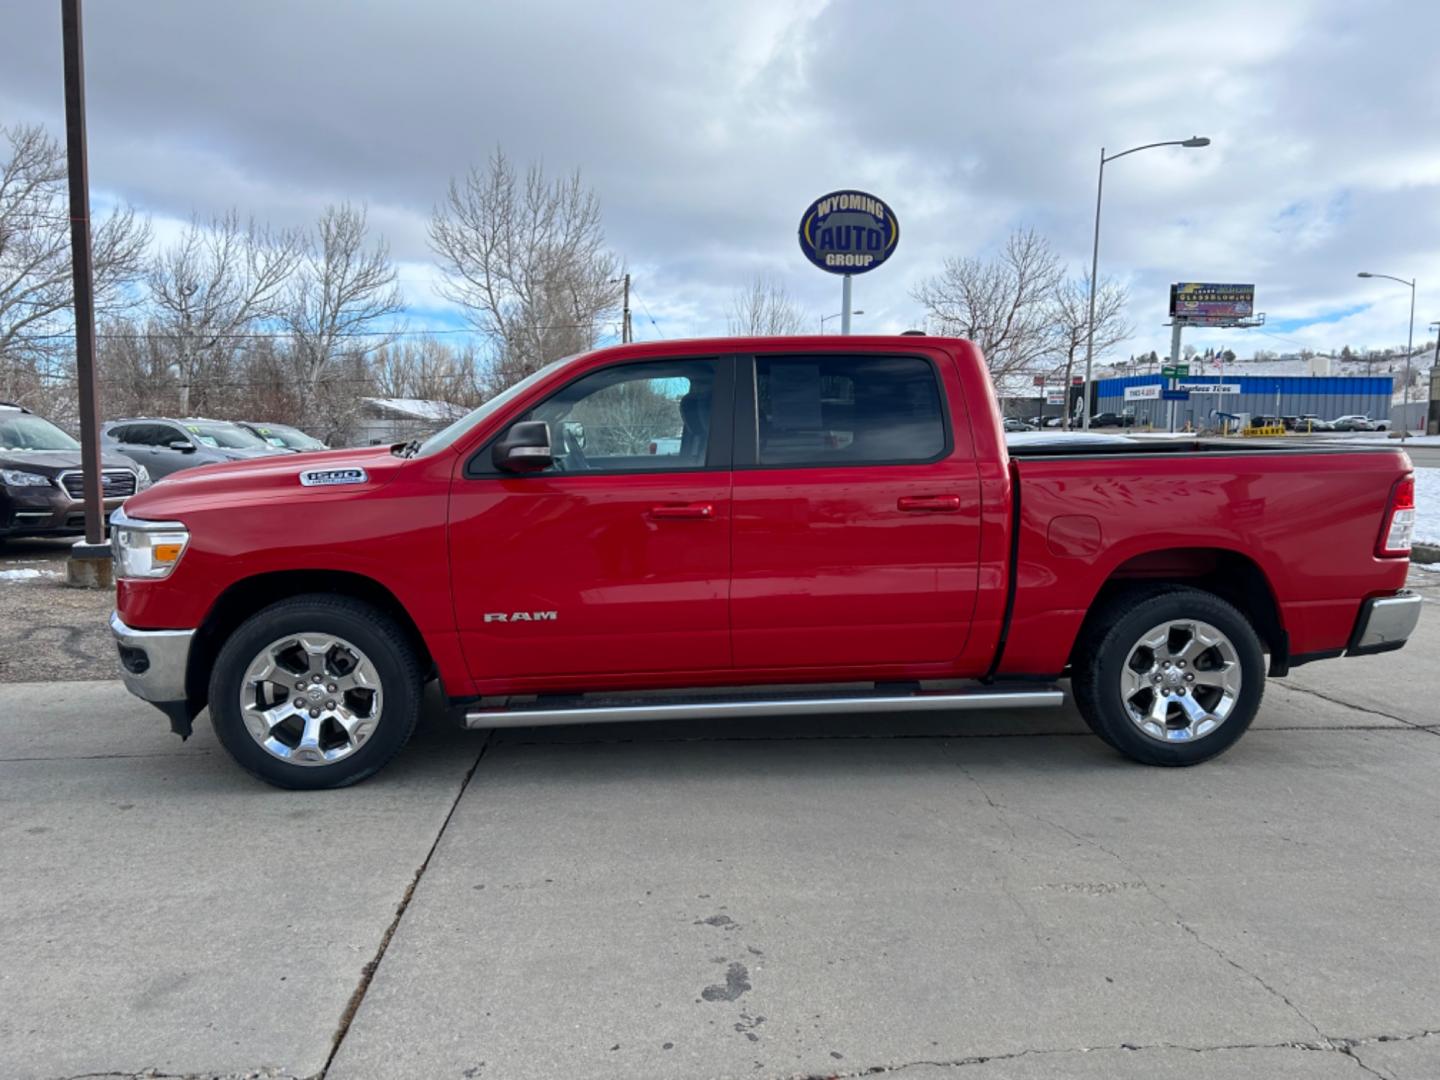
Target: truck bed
[{"x": 1306, "y": 520}]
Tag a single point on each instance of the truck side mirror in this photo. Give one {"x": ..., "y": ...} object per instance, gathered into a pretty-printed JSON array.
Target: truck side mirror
[{"x": 525, "y": 448}]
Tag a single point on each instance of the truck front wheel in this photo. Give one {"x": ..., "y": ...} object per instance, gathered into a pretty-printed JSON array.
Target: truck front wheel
[
  {"x": 1169, "y": 675},
  {"x": 315, "y": 692}
]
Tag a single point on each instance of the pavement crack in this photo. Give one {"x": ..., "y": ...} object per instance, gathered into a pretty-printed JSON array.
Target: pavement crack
[
  {"x": 1323, "y": 1045},
  {"x": 1181, "y": 922},
  {"x": 367, "y": 973},
  {"x": 1351, "y": 705}
]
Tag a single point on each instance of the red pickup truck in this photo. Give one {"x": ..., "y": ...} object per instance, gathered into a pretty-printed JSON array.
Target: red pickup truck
[{"x": 750, "y": 526}]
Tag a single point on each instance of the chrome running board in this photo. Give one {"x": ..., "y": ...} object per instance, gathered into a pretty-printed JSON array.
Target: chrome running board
[{"x": 614, "y": 709}]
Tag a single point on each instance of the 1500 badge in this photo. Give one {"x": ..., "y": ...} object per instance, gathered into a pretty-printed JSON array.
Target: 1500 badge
[{"x": 327, "y": 477}]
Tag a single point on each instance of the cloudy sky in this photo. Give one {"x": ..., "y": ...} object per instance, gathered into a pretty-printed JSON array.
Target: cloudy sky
[{"x": 706, "y": 127}]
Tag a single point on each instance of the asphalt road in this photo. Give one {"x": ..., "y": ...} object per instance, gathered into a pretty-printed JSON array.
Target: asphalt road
[{"x": 767, "y": 899}]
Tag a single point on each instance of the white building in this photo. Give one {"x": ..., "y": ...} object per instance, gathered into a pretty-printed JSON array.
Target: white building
[{"x": 390, "y": 420}]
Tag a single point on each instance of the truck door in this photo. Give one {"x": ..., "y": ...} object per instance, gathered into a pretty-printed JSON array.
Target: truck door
[
  {"x": 857, "y": 512},
  {"x": 616, "y": 560}
]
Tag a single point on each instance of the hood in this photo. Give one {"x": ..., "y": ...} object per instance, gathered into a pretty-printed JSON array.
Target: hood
[
  {"x": 52, "y": 463},
  {"x": 262, "y": 476}
]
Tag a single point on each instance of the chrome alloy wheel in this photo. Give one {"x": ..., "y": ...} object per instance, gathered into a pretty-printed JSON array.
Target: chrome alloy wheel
[
  {"x": 1180, "y": 680},
  {"x": 310, "y": 699}
]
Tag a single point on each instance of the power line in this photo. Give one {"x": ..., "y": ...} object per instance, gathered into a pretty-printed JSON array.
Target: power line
[
  {"x": 262, "y": 335},
  {"x": 645, "y": 309}
]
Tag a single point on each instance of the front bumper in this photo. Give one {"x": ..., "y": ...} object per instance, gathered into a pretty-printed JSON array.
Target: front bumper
[
  {"x": 44, "y": 512},
  {"x": 153, "y": 664},
  {"x": 1385, "y": 623}
]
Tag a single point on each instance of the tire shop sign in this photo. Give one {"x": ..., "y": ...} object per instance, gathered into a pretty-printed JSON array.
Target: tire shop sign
[{"x": 848, "y": 232}]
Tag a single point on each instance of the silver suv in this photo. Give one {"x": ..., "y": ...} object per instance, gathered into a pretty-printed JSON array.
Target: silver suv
[{"x": 165, "y": 446}]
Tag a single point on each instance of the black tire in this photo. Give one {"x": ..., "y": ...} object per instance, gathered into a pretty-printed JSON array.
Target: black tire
[
  {"x": 372, "y": 632},
  {"x": 1115, "y": 628}
]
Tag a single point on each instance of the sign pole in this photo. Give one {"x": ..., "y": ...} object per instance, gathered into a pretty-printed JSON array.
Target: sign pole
[
  {"x": 845, "y": 303},
  {"x": 1175, "y": 327},
  {"x": 88, "y": 555}
]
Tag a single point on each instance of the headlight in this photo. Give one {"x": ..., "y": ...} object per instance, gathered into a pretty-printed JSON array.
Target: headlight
[
  {"x": 146, "y": 549},
  {"x": 20, "y": 478},
  {"x": 142, "y": 478}
]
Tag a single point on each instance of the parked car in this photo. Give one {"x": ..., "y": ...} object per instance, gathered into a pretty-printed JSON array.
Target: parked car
[
  {"x": 1112, "y": 419},
  {"x": 832, "y": 512},
  {"x": 41, "y": 490},
  {"x": 1353, "y": 422},
  {"x": 1309, "y": 422},
  {"x": 165, "y": 446},
  {"x": 1013, "y": 424},
  {"x": 1262, "y": 420},
  {"x": 283, "y": 436}
]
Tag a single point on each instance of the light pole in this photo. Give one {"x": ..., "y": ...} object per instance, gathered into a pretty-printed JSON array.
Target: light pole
[
  {"x": 1193, "y": 141},
  {"x": 826, "y": 318},
  {"x": 1409, "y": 344}
]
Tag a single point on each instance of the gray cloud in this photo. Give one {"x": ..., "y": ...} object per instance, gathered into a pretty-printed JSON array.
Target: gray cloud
[{"x": 707, "y": 127}]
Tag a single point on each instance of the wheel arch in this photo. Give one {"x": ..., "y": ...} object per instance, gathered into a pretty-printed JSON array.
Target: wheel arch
[
  {"x": 1231, "y": 575},
  {"x": 245, "y": 597}
]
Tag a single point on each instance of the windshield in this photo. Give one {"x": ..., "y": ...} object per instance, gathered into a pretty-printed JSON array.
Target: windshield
[
  {"x": 22, "y": 431},
  {"x": 226, "y": 436},
  {"x": 286, "y": 437},
  {"x": 448, "y": 436}
]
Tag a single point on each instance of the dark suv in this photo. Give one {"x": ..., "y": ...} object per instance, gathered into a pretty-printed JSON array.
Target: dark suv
[
  {"x": 40, "y": 487},
  {"x": 165, "y": 446}
]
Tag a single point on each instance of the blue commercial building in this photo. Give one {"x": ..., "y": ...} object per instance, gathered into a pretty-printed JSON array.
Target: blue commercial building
[{"x": 1325, "y": 396}]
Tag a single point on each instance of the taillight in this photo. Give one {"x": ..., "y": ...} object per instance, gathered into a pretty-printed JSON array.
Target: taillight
[{"x": 1399, "y": 524}]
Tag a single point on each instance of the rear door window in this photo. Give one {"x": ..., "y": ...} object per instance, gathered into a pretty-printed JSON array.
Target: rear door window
[{"x": 848, "y": 410}]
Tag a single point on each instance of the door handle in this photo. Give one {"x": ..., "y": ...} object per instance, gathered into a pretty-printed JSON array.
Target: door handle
[
  {"x": 690, "y": 511},
  {"x": 935, "y": 504}
]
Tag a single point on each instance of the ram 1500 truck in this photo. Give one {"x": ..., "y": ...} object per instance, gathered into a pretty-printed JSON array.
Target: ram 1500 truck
[{"x": 750, "y": 526}]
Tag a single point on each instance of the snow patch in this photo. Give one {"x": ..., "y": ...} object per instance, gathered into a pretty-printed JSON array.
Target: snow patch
[
  {"x": 28, "y": 575},
  {"x": 1427, "y": 506}
]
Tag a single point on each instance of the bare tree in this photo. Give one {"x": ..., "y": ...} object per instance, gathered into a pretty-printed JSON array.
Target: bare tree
[
  {"x": 625, "y": 418},
  {"x": 337, "y": 305},
  {"x": 36, "y": 288},
  {"x": 1070, "y": 320},
  {"x": 526, "y": 259},
  {"x": 429, "y": 370},
  {"x": 213, "y": 285},
  {"x": 764, "y": 308},
  {"x": 1003, "y": 304}
]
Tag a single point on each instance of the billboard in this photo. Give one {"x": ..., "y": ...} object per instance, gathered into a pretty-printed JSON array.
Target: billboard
[
  {"x": 1196, "y": 301},
  {"x": 1143, "y": 393}
]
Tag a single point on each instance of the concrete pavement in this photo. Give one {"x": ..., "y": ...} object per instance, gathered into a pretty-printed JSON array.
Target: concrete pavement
[{"x": 767, "y": 899}]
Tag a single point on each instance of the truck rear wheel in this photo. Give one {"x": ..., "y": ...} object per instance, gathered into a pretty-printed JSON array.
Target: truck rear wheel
[
  {"x": 315, "y": 692},
  {"x": 1169, "y": 675}
]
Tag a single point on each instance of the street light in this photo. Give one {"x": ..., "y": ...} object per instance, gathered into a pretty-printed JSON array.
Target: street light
[
  {"x": 826, "y": 318},
  {"x": 1194, "y": 141},
  {"x": 1409, "y": 344}
]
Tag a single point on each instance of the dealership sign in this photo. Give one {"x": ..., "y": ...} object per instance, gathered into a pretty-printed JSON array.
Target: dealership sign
[
  {"x": 1212, "y": 303},
  {"x": 1209, "y": 387},
  {"x": 848, "y": 232},
  {"x": 1143, "y": 393}
]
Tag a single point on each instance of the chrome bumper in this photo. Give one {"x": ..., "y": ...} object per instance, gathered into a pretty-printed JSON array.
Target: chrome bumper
[
  {"x": 1385, "y": 623},
  {"x": 153, "y": 662}
]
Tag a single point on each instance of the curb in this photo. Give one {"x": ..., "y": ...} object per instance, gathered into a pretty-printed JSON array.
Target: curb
[{"x": 1425, "y": 553}]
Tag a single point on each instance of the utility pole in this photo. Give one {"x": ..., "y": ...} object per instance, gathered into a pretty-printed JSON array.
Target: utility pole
[
  {"x": 625, "y": 313},
  {"x": 87, "y": 566}
]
